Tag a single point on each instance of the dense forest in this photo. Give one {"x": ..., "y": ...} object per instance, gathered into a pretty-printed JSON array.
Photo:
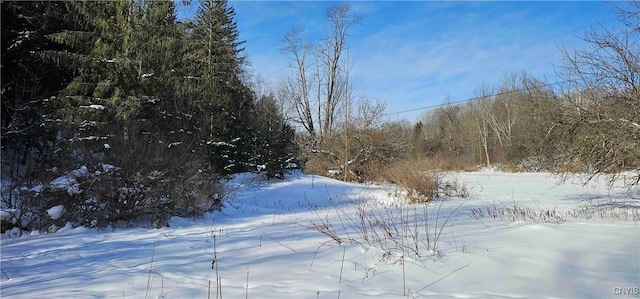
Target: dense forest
[
  {"x": 122, "y": 114},
  {"x": 130, "y": 113}
]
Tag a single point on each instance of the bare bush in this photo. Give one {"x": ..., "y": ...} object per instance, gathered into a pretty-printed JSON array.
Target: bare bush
[
  {"x": 414, "y": 230},
  {"x": 415, "y": 176},
  {"x": 360, "y": 153},
  {"x": 596, "y": 123},
  {"x": 412, "y": 226},
  {"x": 423, "y": 181},
  {"x": 152, "y": 187}
]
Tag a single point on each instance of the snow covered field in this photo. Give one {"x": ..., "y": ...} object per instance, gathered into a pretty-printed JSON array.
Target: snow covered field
[{"x": 518, "y": 235}]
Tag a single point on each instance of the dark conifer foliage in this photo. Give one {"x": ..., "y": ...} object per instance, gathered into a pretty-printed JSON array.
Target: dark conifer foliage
[
  {"x": 29, "y": 84},
  {"x": 273, "y": 139},
  {"x": 225, "y": 101},
  {"x": 139, "y": 112}
]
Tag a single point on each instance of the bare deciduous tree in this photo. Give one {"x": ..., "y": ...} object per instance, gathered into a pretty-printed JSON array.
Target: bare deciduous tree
[
  {"x": 318, "y": 90},
  {"x": 296, "y": 87},
  {"x": 331, "y": 51},
  {"x": 478, "y": 114},
  {"x": 597, "y": 124}
]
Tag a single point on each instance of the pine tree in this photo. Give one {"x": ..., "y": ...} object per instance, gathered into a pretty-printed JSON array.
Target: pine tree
[
  {"x": 28, "y": 84},
  {"x": 126, "y": 54},
  {"x": 224, "y": 99},
  {"x": 273, "y": 147},
  {"x": 123, "y": 109},
  {"x": 148, "y": 108},
  {"x": 104, "y": 95}
]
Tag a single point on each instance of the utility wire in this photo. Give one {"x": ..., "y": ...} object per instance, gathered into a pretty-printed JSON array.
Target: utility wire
[{"x": 475, "y": 98}]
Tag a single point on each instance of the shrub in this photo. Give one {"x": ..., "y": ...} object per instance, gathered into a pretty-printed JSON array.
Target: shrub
[
  {"x": 422, "y": 180},
  {"x": 106, "y": 195}
]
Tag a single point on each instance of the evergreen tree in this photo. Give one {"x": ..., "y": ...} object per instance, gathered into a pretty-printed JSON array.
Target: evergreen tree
[
  {"x": 28, "y": 84},
  {"x": 224, "y": 99},
  {"x": 123, "y": 109},
  {"x": 273, "y": 147},
  {"x": 104, "y": 95},
  {"x": 123, "y": 90},
  {"x": 141, "y": 111}
]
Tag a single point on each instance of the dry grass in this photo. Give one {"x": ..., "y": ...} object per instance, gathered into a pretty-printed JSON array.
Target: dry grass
[
  {"x": 417, "y": 177},
  {"x": 319, "y": 166},
  {"x": 512, "y": 167},
  {"x": 422, "y": 180},
  {"x": 519, "y": 214},
  {"x": 412, "y": 230}
]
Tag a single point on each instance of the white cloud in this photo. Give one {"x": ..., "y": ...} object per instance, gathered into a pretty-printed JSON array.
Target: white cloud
[{"x": 415, "y": 54}]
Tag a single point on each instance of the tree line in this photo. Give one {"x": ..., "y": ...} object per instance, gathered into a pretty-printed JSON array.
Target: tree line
[
  {"x": 140, "y": 112},
  {"x": 587, "y": 122}
]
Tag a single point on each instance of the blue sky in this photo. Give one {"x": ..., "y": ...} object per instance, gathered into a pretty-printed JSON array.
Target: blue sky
[{"x": 413, "y": 54}]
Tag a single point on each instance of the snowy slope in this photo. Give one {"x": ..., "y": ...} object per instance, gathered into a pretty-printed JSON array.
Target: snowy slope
[{"x": 266, "y": 247}]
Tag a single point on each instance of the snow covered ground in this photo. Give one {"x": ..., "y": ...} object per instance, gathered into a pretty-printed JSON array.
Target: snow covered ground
[{"x": 518, "y": 235}]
